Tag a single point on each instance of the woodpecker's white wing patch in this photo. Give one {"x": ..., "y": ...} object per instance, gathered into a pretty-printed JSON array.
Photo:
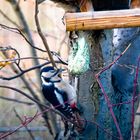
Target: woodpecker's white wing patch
[
  {"x": 68, "y": 89},
  {"x": 60, "y": 98}
]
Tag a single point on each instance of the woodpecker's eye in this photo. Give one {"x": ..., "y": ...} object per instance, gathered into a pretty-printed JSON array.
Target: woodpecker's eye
[{"x": 59, "y": 75}]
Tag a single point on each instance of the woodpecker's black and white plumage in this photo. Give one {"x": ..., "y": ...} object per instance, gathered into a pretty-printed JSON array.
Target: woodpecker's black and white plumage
[{"x": 59, "y": 93}]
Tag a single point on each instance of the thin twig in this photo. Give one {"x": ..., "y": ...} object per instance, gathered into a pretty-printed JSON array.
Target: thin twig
[
  {"x": 15, "y": 100},
  {"x": 59, "y": 58},
  {"x": 109, "y": 106},
  {"x": 28, "y": 120},
  {"x": 26, "y": 30},
  {"x": 103, "y": 129},
  {"x": 42, "y": 58},
  {"x": 34, "y": 84},
  {"x": 24, "y": 123},
  {"x": 30, "y": 133},
  {"x": 21, "y": 17},
  {"x": 34, "y": 100},
  {"x": 23, "y": 58},
  {"x": 9, "y": 48},
  {"x": 42, "y": 36},
  {"x": 25, "y": 71},
  {"x": 104, "y": 93},
  {"x": 127, "y": 102},
  {"x": 134, "y": 95},
  {"x": 9, "y": 19},
  {"x": 24, "y": 94},
  {"x": 128, "y": 44},
  {"x": 33, "y": 93},
  {"x": 111, "y": 64},
  {"x": 16, "y": 30}
]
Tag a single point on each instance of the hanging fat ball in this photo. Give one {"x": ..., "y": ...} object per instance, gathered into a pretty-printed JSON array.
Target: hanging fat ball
[{"x": 79, "y": 56}]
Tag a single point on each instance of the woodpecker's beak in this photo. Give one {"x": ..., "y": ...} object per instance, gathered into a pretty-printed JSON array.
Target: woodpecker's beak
[{"x": 60, "y": 71}]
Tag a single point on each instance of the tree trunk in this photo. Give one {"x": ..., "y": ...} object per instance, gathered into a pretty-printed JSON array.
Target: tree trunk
[
  {"x": 117, "y": 82},
  {"x": 123, "y": 75}
]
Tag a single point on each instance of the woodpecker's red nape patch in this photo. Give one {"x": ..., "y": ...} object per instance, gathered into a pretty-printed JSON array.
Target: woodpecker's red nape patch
[{"x": 73, "y": 105}]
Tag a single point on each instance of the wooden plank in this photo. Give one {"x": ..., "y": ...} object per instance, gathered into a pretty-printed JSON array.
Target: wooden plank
[{"x": 103, "y": 20}]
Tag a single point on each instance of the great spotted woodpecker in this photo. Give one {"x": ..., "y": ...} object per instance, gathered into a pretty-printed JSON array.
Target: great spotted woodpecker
[{"x": 58, "y": 92}]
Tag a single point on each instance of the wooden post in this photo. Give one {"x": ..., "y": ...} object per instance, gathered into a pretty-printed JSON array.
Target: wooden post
[
  {"x": 85, "y": 5},
  {"x": 135, "y": 3}
]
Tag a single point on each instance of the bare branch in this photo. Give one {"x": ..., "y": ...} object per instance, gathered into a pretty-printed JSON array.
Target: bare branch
[
  {"x": 46, "y": 107},
  {"x": 42, "y": 36},
  {"x": 23, "y": 58},
  {"x": 32, "y": 92},
  {"x": 18, "y": 116},
  {"x": 42, "y": 58},
  {"x": 24, "y": 123},
  {"x": 13, "y": 22},
  {"x": 30, "y": 119},
  {"x": 59, "y": 58},
  {"x": 15, "y": 100},
  {"x": 32, "y": 99},
  {"x": 25, "y": 71},
  {"x": 24, "y": 94},
  {"x": 16, "y": 30},
  {"x": 134, "y": 95},
  {"x": 21, "y": 17},
  {"x": 4, "y": 51},
  {"x": 97, "y": 76}
]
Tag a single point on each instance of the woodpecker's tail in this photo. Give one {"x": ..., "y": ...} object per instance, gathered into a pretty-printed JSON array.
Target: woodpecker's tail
[{"x": 79, "y": 120}]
